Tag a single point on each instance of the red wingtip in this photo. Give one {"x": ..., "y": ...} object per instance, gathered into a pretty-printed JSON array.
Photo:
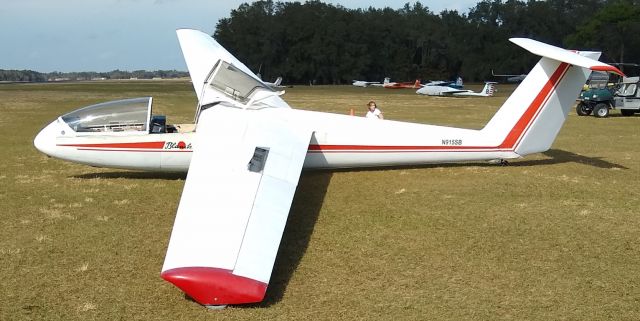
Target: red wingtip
[
  {"x": 608, "y": 68},
  {"x": 211, "y": 286}
]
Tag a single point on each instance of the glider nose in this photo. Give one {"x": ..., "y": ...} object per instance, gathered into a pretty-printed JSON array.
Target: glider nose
[{"x": 45, "y": 141}]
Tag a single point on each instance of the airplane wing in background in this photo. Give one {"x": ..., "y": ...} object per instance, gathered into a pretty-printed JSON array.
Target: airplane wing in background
[
  {"x": 454, "y": 91},
  {"x": 235, "y": 204}
]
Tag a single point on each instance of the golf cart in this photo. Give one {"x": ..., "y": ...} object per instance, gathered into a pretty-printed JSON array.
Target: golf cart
[{"x": 600, "y": 98}]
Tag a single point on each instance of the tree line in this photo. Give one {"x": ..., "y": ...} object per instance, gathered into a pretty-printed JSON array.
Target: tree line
[
  {"x": 34, "y": 76},
  {"x": 315, "y": 42}
]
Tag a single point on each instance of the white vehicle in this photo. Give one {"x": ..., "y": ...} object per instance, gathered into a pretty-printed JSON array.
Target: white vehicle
[
  {"x": 245, "y": 156},
  {"x": 439, "y": 90},
  {"x": 627, "y": 98}
]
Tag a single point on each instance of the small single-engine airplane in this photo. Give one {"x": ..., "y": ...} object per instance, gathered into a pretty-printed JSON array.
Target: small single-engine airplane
[
  {"x": 245, "y": 156},
  {"x": 400, "y": 85},
  {"x": 436, "y": 90},
  {"x": 362, "y": 83}
]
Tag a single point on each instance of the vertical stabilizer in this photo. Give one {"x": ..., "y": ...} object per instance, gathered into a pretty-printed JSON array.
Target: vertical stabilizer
[
  {"x": 489, "y": 88},
  {"x": 529, "y": 121}
]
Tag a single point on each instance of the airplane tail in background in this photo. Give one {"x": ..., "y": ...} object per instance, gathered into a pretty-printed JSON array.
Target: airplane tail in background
[
  {"x": 386, "y": 80},
  {"x": 459, "y": 83},
  {"x": 417, "y": 84},
  {"x": 277, "y": 82},
  {"x": 489, "y": 88},
  {"x": 532, "y": 117}
]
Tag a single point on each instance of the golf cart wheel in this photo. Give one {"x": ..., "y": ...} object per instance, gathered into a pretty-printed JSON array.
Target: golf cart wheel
[
  {"x": 582, "y": 109},
  {"x": 601, "y": 110},
  {"x": 627, "y": 112}
]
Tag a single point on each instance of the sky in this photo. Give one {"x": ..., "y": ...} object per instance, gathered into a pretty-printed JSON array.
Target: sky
[{"x": 104, "y": 35}]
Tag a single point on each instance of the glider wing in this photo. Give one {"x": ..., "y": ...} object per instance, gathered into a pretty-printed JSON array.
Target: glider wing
[{"x": 235, "y": 203}]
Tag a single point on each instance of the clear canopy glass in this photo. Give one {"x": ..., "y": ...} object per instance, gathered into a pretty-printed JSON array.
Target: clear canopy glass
[
  {"x": 114, "y": 116},
  {"x": 235, "y": 83}
]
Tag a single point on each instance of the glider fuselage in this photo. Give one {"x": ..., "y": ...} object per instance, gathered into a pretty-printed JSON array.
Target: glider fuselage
[{"x": 338, "y": 141}]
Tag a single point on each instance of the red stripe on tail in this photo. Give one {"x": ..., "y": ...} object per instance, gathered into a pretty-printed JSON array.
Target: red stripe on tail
[{"x": 527, "y": 118}]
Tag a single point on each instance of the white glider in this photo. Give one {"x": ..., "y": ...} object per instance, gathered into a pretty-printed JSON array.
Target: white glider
[
  {"x": 244, "y": 159},
  {"x": 439, "y": 90}
]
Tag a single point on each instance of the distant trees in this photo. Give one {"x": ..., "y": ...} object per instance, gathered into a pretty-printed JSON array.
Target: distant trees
[
  {"x": 22, "y": 75},
  {"x": 33, "y": 76},
  {"x": 315, "y": 42},
  {"x": 615, "y": 29}
]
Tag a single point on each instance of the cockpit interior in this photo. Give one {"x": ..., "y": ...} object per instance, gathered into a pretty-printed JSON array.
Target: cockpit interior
[{"x": 126, "y": 115}]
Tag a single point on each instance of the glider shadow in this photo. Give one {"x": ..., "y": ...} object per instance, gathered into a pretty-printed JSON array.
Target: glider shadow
[
  {"x": 303, "y": 216},
  {"x": 170, "y": 176},
  {"x": 558, "y": 156}
]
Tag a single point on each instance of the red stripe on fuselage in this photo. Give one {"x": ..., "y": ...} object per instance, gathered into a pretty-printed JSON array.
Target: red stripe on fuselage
[
  {"x": 138, "y": 150},
  {"x": 509, "y": 143},
  {"x": 391, "y": 148},
  {"x": 138, "y": 145}
]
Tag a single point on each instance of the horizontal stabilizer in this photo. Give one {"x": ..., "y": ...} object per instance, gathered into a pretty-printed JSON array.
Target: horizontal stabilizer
[{"x": 559, "y": 54}]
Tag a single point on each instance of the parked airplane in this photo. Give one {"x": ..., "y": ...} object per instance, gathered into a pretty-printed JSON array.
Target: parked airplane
[
  {"x": 435, "y": 90},
  {"x": 275, "y": 84},
  {"x": 244, "y": 159},
  {"x": 400, "y": 85},
  {"x": 457, "y": 84},
  {"x": 511, "y": 78},
  {"x": 362, "y": 83}
]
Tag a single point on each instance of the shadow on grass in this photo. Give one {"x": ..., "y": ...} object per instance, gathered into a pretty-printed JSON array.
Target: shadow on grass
[
  {"x": 303, "y": 215},
  {"x": 133, "y": 175},
  {"x": 619, "y": 115},
  {"x": 557, "y": 156}
]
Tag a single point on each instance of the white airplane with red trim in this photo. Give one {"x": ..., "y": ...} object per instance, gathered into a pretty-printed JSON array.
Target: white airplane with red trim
[{"x": 245, "y": 152}]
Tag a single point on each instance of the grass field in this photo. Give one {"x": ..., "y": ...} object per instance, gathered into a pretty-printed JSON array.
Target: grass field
[{"x": 555, "y": 236}]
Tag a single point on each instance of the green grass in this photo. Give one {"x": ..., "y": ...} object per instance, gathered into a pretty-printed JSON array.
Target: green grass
[{"x": 554, "y": 236}]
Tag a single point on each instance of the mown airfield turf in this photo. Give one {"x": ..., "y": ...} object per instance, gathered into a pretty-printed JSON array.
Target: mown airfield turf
[{"x": 554, "y": 236}]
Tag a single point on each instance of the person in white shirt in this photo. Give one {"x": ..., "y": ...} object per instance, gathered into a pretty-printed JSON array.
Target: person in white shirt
[{"x": 373, "y": 112}]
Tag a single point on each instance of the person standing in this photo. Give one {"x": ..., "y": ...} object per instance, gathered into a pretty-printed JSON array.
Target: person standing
[{"x": 373, "y": 112}]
